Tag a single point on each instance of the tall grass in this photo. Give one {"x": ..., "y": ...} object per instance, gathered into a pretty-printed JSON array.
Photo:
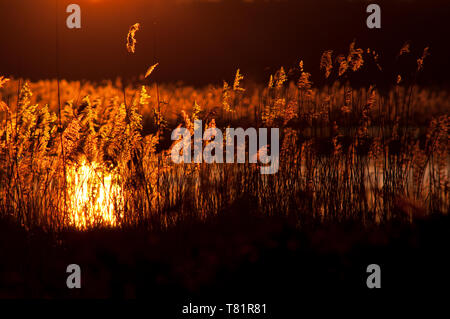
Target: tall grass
[{"x": 351, "y": 149}]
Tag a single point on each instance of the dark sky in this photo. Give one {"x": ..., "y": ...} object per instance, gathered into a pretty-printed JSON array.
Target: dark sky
[{"x": 207, "y": 41}]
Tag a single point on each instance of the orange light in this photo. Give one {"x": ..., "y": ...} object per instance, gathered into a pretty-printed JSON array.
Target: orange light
[{"x": 95, "y": 196}]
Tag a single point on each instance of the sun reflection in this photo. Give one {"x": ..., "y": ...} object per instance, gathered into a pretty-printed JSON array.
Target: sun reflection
[{"x": 94, "y": 195}]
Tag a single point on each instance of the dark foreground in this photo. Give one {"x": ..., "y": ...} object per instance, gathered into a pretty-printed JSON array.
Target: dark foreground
[{"x": 235, "y": 257}]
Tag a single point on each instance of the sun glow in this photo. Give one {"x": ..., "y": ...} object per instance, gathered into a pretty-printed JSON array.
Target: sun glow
[{"x": 95, "y": 196}]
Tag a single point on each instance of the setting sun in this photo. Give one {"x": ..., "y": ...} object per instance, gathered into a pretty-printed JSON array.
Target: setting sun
[{"x": 95, "y": 196}]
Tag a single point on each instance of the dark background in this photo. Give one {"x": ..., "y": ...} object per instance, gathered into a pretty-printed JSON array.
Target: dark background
[{"x": 201, "y": 42}]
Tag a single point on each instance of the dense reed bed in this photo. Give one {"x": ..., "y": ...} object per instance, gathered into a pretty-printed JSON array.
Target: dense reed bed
[{"x": 364, "y": 146}]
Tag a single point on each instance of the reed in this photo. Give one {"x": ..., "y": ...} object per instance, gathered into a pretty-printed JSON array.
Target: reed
[{"x": 348, "y": 151}]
